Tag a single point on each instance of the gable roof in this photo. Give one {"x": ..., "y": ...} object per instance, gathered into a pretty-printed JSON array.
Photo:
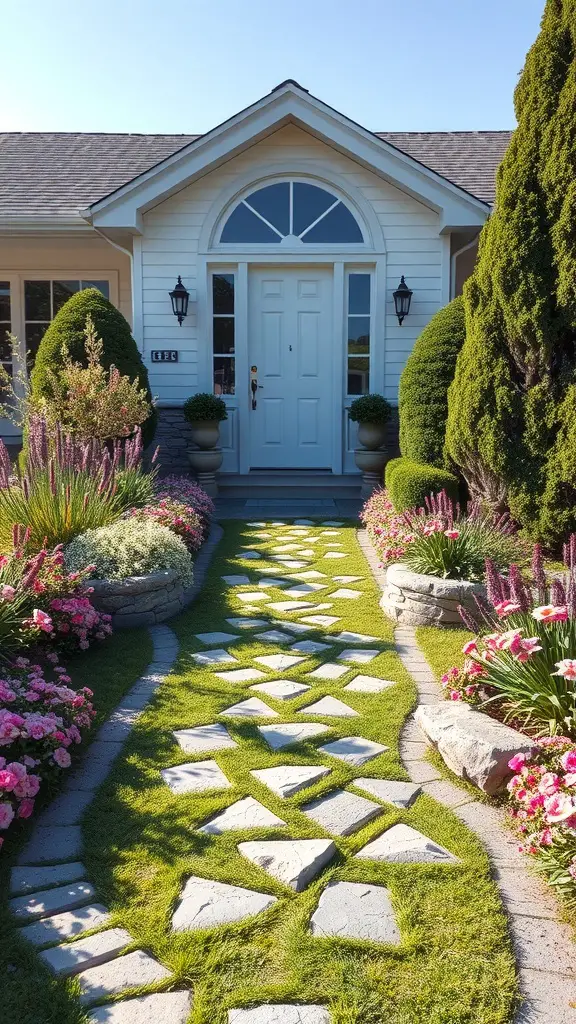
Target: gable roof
[{"x": 59, "y": 173}]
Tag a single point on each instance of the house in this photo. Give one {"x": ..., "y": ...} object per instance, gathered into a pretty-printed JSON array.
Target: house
[{"x": 290, "y": 226}]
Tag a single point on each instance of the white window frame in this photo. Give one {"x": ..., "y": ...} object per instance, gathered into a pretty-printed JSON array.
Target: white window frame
[{"x": 369, "y": 271}]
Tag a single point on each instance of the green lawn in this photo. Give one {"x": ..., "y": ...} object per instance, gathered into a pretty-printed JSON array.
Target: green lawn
[
  {"x": 29, "y": 994},
  {"x": 454, "y": 965},
  {"x": 442, "y": 647}
]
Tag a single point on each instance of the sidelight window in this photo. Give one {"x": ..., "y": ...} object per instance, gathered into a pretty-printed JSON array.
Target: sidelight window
[
  {"x": 359, "y": 308},
  {"x": 5, "y": 327},
  {"x": 223, "y": 334}
]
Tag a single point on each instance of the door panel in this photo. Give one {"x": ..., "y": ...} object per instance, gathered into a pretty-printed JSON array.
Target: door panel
[{"x": 290, "y": 336}]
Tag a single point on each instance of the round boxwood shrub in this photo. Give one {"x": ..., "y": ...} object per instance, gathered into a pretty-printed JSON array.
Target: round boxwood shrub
[
  {"x": 423, "y": 395},
  {"x": 205, "y": 408},
  {"x": 410, "y": 483},
  {"x": 370, "y": 409},
  {"x": 130, "y": 547},
  {"x": 119, "y": 348}
]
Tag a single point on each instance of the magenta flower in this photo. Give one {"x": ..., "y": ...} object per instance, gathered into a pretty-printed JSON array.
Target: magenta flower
[
  {"x": 517, "y": 762},
  {"x": 566, "y": 668}
]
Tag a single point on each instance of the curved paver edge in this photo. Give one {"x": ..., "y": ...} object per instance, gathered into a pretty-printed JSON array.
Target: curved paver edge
[{"x": 539, "y": 939}]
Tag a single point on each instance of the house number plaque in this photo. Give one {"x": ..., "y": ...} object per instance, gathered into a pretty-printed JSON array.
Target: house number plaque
[{"x": 164, "y": 355}]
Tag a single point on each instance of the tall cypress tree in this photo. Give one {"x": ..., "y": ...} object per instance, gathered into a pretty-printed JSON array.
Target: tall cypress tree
[{"x": 511, "y": 424}]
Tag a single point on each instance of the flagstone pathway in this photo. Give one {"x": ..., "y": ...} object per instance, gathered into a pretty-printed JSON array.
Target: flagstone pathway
[{"x": 347, "y": 808}]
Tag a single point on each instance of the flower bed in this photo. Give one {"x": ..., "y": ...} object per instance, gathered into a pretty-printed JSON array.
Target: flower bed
[{"x": 40, "y": 719}]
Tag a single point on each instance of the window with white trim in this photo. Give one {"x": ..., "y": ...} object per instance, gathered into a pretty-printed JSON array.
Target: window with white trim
[
  {"x": 5, "y": 327},
  {"x": 358, "y": 320},
  {"x": 43, "y": 299},
  {"x": 223, "y": 334},
  {"x": 291, "y": 212}
]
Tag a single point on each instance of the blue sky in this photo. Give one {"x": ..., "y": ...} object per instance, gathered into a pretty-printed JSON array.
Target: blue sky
[{"x": 186, "y": 65}]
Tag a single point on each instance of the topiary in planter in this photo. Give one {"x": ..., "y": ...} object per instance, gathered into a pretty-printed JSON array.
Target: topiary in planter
[
  {"x": 370, "y": 409},
  {"x": 205, "y": 408},
  {"x": 410, "y": 483},
  {"x": 423, "y": 395},
  {"x": 119, "y": 348}
]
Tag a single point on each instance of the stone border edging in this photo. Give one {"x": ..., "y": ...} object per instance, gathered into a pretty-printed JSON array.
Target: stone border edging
[
  {"x": 543, "y": 945},
  {"x": 416, "y": 599},
  {"x": 56, "y": 838}
]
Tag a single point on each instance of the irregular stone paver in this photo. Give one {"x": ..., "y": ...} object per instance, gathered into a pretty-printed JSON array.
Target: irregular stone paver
[
  {"x": 216, "y": 638},
  {"x": 294, "y": 627},
  {"x": 263, "y": 536},
  {"x": 303, "y": 522},
  {"x": 368, "y": 684},
  {"x": 274, "y": 636},
  {"x": 329, "y": 671},
  {"x": 295, "y": 862},
  {"x": 51, "y": 901},
  {"x": 241, "y": 675},
  {"x": 351, "y": 654},
  {"x": 52, "y": 843},
  {"x": 244, "y": 622},
  {"x": 289, "y": 606},
  {"x": 158, "y": 1008},
  {"x": 346, "y": 593},
  {"x": 332, "y": 522},
  {"x": 203, "y": 738},
  {"x": 195, "y": 777},
  {"x": 285, "y": 547},
  {"x": 117, "y": 976},
  {"x": 310, "y": 574},
  {"x": 216, "y": 657},
  {"x": 321, "y": 607},
  {"x": 329, "y": 706},
  {"x": 401, "y": 794},
  {"x": 301, "y": 589},
  {"x": 348, "y": 637},
  {"x": 321, "y": 620},
  {"x": 342, "y": 813},
  {"x": 354, "y": 749},
  {"x": 253, "y": 707},
  {"x": 66, "y": 926},
  {"x": 246, "y": 813},
  {"x": 278, "y": 736},
  {"x": 403, "y": 844},
  {"x": 347, "y": 579},
  {"x": 279, "y": 662},
  {"x": 73, "y": 957},
  {"x": 281, "y": 1013},
  {"x": 335, "y": 554},
  {"x": 306, "y": 553},
  {"x": 32, "y": 879},
  {"x": 251, "y": 596},
  {"x": 281, "y": 689},
  {"x": 272, "y": 581},
  {"x": 309, "y": 646},
  {"x": 330, "y": 533},
  {"x": 290, "y": 563},
  {"x": 288, "y": 779},
  {"x": 355, "y": 910},
  {"x": 206, "y": 904},
  {"x": 248, "y": 554},
  {"x": 236, "y": 581}
]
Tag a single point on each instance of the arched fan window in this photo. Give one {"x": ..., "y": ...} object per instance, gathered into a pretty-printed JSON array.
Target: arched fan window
[{"x": 291, "y": 212}]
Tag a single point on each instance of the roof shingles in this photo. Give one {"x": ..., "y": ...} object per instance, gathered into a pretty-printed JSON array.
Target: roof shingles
[{"x": 45, "y": 174}]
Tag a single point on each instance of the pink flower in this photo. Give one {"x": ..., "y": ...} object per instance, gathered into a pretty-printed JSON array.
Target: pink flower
[
  {"x": 42, "y": 620},
  {"x": 504, "y": 608},
  {"x": 528, "y": 647},
  {"x": 25, "y": 808},
  {"x": 566, "y": 668},
  {"x": 454, "y": 695},
  {"x": 559, "y": 807},
  {"x": 452, "y": 534},
  {"x": 550, "y": 613},
  {"x": 568, "y": 761},
  {"x": 517, "y": 762},
  {"x": 470, "y": 648},
  {"x": 549, "y": 784},
  {"x": 6, "y": 814},
  {"x": 62, "y": 757},
  {"x": 7, "y": 593},
  {"x": 8, "y": 780},
  {"x": 546, "y": 837},
  {"x": 572, "y": 868}
]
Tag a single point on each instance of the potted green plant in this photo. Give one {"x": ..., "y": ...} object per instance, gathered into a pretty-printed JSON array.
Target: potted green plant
[
  {"x": 204, "y": 413},
  {"x": 371, "y": 413}
]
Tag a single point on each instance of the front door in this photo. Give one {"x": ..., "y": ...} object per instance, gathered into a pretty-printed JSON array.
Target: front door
[{"x": 290, "y": 344}]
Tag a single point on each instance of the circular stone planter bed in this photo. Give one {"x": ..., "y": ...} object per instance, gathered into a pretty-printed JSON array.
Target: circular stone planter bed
[
  {"x": 418, "y": 600},
  {"x": 139, "y": 600}
]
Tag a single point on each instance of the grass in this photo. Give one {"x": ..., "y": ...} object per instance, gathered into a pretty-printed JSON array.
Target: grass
[
  {"x": 30, "y": 994},
  {"x": 442, "y": 647},
  {"x": 455, "y": 964}
]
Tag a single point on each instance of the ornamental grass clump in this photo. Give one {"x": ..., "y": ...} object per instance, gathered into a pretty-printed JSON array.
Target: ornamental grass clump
[
  {"x": 130, "y": 547},
  {"x": 522, "y": 663},
  {"x": 40, "y": 720},
  {"x": 68, "y": 485}
]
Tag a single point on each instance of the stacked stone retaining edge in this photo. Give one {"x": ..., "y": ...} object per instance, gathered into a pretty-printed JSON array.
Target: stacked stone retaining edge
[{"x": 415, "y": 599}]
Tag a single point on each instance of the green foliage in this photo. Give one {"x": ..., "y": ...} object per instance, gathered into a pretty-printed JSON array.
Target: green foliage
[
  {"x": 370, "y": 409},
  {"x": 463, "y": 555},
  {"x": 410, "y": 483},
  {"x": 509, "y": 401},
  {"x": 205, "y": 407},
  {"x": 68, "y": 331},
  {"x": 134, "y": 489},
  {"x": 423, "y": 396},
  {"x": 130, "y": 547}
]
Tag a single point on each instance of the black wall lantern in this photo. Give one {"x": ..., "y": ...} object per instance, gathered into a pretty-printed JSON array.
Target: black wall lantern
[
  {"x": 402, "y": 300},
  {"x": 180, "y": 298}
]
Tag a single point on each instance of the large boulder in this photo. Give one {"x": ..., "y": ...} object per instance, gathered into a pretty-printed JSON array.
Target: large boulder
[{"x": 474, "y": 746}]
